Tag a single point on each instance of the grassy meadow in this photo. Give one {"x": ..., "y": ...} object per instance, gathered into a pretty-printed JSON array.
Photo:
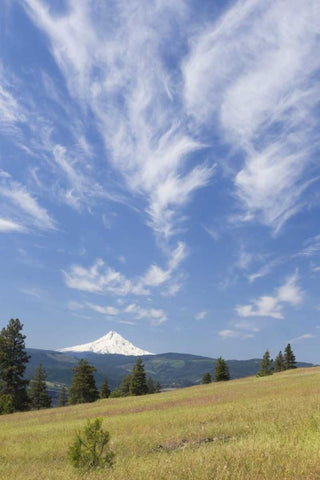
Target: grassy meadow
[{"x": 252, "y": 428}]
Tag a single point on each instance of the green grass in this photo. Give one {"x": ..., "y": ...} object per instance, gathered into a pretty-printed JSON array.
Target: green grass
[{"x": 250, "y": 429}]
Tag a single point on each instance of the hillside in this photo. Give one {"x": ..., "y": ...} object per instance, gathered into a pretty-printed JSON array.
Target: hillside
[
  {"x": 172, "y": 370},
  {"x": 249, "y": 429}
]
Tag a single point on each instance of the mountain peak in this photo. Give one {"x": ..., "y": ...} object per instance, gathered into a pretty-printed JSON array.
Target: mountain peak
[{"x": 112, "y": 343}]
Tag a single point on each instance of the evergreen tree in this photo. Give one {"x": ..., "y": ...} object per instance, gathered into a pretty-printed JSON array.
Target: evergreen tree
[
  {"x": 206, "y": 378},
  {"x": 115, "y": 393},
  {"x": 13, "y": 360},
  {"x": 289, "y": 358},
  {"x": 221, "y": 371},
  {"x": 104, "y": 389},
  {"x": 83, "y": 388},
  {"x": 6, "y": 405},
  {"x": 151, "y": 385},
  {"x": 265, "y": 365},
  {"x": 38, "y": 392},
  {"x": 157, "y": 387},
  {"x": 124, "y": 389},
  {"x": 138, "y": 384},
  {"x": 279, "y": 365},
  {"x": 63, "y": 397}
]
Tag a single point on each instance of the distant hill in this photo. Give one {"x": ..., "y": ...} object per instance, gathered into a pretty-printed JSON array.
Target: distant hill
[{"x": 172, "y": 370}]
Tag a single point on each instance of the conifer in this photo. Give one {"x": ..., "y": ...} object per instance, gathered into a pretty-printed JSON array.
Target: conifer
[
  {"x": 83, "y": 388},
  {"x": 38, "y": 392},
  {"x": 289, "y": 358},
  {"x": 63, "y": 397},
  {"x": 124, "y": 389},
  {"x": 265, "y": 366},
  {"x": 104, "y": 389},
  {"x": 221, "y": 371},
  {"x": 206, "y": 378},
  {"x": 151, "y": 385},
  {"x": 157, "y": 387},
  {"x": 138, "y": 384},
  {"x": 13, "y": 360},
  {"x": 279, "y": 365}
]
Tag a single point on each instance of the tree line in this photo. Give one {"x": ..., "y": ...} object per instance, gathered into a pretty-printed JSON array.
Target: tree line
[
  {"x": 220, "y": 372},
  {"x": 19, "y": 394},
  {"x": 283, "y": 361}
]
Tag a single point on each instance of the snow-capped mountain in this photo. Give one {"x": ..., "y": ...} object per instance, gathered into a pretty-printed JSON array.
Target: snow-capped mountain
[{"x": 110, "y": 343}]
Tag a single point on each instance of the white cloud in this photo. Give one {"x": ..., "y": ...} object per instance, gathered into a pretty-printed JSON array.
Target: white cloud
[
  {"x": 104, "y": 309},
  {"x": 11, "y": 111},
  {"x": 10, "y": 226},
  {"x": 156, "y": 275},
  {"x": 306, "y": 336},
  {"x": 212, "y": 232},
  {"x": 245, "y": 325},
  {"x": 234, "y": 334},
  {"x": 100, "y": 278},
  {"x": 201, "y": 315},
  {"x": 32, "y": 291},
  {"x": 312, "y": 247},
  {"x": 119, "y": 73},
  {"x": 157, "y": 316},
  {"x": 290, "y": 292},
  {"x": 254, "y": 72},
  {"x": 154, "y": 315},
  {"x": 272, "y": 306},
  {"x": 21, "y": 206},
  {"x": 264, "y": 270}
]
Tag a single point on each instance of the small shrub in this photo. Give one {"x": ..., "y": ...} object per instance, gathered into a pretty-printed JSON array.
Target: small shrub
[
  {"x": 6, "y": 404},
  {"x": 90, "y": 448}
]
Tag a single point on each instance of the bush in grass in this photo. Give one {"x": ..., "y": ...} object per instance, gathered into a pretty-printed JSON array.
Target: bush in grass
[
  {"x": 90, "y": 448},
  {"x": 6, "y": 404}
]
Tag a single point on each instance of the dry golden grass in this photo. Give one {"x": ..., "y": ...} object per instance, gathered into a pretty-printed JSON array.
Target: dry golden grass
[{"x": 248, "y": 429}]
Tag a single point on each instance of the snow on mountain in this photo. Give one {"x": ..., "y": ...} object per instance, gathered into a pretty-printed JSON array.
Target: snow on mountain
[{"x": 110, "y": 343}]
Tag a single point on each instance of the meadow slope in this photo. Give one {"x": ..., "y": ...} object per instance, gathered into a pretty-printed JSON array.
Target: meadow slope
[{"x": 250, "y": 429}]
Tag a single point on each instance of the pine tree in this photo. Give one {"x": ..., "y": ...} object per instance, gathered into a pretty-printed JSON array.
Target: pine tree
[
  {"x": 13, "y": 360},
  {"x": 265, "y": 365},
  {"x": 124, "y": 389},
  {"x": 63, "y": 397},
  {"x": 104, "y": 389},
  {"x": 151, "y": 385},
  {"x": 115, "y": 393},
  {"x": 157, "y": 387},
  {"x": 83, "y": 388},
  {"x": 138, "y": 384},
  {"x": 38, "y": 392},
  {"x": 279, "y": 365},
  {"x": 221, "y": 371},
  {"x": 289, "y": 358},
  {"x": 206, "y": 378}
]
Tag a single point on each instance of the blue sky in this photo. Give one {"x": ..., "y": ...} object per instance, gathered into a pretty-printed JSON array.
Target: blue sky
[{"x": 160, "y": 173}]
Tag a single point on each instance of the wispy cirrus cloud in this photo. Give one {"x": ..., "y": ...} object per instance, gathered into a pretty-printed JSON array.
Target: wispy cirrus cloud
[
  {"x": 104, "y": 309},
  {"x": 154, "y": 315},
  {"x": 312, "y": 247},
  {"x": 10, "y": 226},
  {"x": 21, "y": 209},
  {"x": 228, "y": 333},
  {"x": 100, "y": 278},
  {"x": 201, "y": 315},
  {"x": 255, "y": 72},
  {"x": 272, "y": 306},
  {"x": 121, "y": 75},
  {"x": 301, "y": 338}
]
